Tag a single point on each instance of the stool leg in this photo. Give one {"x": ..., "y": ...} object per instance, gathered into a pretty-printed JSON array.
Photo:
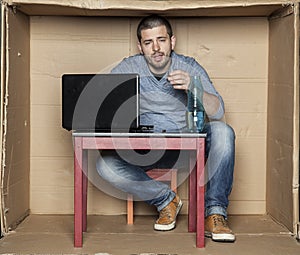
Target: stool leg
[
  {"x": 169, "y": 175},
  {"x": 174, "y": 180},
  {"x": 129, "y": 209}
]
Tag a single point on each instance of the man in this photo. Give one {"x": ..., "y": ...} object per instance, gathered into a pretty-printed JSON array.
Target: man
[{"x": 165, "y": 78}]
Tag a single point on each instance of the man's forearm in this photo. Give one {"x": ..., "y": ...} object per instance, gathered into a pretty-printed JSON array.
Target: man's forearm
[{"x": 211, "y": 104}]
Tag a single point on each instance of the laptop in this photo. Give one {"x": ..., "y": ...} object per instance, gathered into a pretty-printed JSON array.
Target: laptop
[
  {"x": 100, "y": 102},
  {"x": 106, "y": 105}
]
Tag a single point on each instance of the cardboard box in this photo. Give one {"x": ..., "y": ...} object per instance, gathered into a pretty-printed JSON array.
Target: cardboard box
[{"x": 250, "y": 50}]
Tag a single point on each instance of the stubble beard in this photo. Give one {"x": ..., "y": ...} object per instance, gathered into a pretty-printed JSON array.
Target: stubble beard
[{"x": 158, "y": 66}]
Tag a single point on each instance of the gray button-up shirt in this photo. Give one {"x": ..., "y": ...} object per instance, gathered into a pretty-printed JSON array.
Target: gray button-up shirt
[{"x": 160, "y": 104}]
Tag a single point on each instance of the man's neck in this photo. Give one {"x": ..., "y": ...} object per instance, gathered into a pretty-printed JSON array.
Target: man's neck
[{"x": 158, "y": 76}]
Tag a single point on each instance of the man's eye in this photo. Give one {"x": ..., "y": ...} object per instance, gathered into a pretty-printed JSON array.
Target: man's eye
[{"x": 162, "y": 40}]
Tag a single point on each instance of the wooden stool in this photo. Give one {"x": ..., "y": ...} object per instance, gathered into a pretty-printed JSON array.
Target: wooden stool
[{"x": 164, "y": 175}]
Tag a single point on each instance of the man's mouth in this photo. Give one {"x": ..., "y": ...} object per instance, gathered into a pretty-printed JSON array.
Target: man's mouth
[{"x": 158, "y": 57}]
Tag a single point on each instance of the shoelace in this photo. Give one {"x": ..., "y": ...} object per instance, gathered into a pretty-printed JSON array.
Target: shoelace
[
  {"x": 219, "y": 220},
  {"x": 166, "y": 212}
]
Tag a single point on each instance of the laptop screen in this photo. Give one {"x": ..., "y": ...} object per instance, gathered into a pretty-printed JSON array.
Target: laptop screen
[{"x": 100, "y": 102}]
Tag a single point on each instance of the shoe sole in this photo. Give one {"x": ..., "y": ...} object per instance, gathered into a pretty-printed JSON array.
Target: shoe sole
[
  {"x": 172, "y": 225},
  {"x": 229, "y": 238}
]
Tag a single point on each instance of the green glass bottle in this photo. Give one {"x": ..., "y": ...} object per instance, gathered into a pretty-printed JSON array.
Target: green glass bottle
[{"x": 195, "y": 116}]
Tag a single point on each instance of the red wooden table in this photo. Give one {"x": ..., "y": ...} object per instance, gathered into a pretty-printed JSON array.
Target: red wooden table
[{"x": 99, "y": 141}]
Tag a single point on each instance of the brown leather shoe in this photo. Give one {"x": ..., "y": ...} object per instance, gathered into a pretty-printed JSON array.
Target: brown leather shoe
[
  {"x": 216, "y": 227},
  {"x": 167, "y": 216}
]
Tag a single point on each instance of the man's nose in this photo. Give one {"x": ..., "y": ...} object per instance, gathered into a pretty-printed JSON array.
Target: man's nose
[{"x": 156, "y": 46}]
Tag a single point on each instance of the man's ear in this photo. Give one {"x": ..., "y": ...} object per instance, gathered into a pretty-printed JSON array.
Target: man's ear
[
  {"x": 173, "y": 42},
  {"x": 140, "y": 48}
]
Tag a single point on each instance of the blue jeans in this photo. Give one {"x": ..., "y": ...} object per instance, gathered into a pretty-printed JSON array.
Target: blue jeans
[{"x": 126, "y": 170}]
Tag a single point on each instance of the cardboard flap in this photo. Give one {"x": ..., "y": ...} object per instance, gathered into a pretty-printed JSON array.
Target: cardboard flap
[
  {"x": 140, "y": 8},
  {"x": 15, "y": 133},
  {"x": 283, "y": 118}
]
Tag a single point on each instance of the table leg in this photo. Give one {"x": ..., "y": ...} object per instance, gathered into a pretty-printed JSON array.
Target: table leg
[
  {"x": 84, "y": 189},
  {"x": 200, "y": 242},
  {"x": 192, "y": 197},
  {"x": 78, "y": 191}
]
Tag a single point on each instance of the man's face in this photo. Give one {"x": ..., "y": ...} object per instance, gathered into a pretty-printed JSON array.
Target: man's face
[{"x": 156, "y": 45}]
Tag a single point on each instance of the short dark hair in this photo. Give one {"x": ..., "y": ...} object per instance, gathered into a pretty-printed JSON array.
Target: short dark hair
[{"x": 152, "y": 21}]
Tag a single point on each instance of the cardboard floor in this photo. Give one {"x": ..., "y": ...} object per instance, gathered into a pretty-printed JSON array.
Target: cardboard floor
[{"x": 49, "y": 234}]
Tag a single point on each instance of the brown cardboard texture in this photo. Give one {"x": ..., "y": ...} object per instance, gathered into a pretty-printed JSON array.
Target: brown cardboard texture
[
  {"x": 139, "y": 7},
  {"x": 238, "y": 43},
  {"x": 16, "y": 133},
  {"x": 282, "y": 113}
]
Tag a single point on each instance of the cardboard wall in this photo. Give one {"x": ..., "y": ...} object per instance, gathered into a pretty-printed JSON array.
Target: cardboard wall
[
  {"x": 16, "y": 144},
  {"x": 260, "y": 90},
  {"x": 234, "y": 51},
  {"x": 282, "y": 113},
  {"x": 70, "y": 45}
]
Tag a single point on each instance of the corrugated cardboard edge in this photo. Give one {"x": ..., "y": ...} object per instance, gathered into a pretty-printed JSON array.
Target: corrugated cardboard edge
[
  {"x": 4, "y": 73},
  {"x": 146, "y": 5},
  {"x": 1, "y": 102},
  {"x": 296, "y": 123}
]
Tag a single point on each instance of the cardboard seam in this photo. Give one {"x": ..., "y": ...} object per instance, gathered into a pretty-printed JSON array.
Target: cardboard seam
[
  {"x": 19, "y": 220},
  {"x": 284, "y": 12}
]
